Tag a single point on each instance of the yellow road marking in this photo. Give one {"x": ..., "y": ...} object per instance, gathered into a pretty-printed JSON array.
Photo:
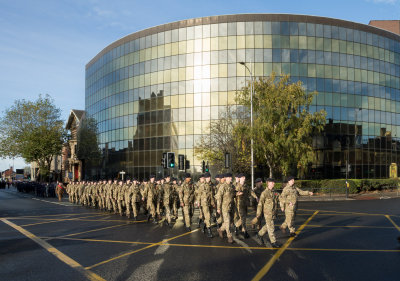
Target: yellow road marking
[
  {"x": 144, "y": 248},
  {"x": 62, "y": 257},
  {"x": 395, "y": 225},
  {"x": 98, "y": 229},
  {"x": 281, "y": 250},
  {"x": 343, "y": 213},
  {"x": 58, "y": 220},
  {"x": 349, "y": 226},
  {"x": 223, "y": 246},
  {"x": 43, "y": 222}
]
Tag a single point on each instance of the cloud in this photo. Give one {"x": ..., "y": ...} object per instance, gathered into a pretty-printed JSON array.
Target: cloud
[
  {"x": 103, "y": 12},
  {"x": 391, "y": 2}
]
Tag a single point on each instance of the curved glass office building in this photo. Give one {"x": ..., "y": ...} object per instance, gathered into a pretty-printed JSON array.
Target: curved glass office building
[{"x": 156, "y": 90}]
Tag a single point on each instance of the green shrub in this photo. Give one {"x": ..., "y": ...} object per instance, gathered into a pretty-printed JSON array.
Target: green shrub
[{"x": 378, "y": 184}]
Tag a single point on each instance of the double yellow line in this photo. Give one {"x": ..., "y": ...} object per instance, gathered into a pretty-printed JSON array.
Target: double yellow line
[{"x": 62, "y": 257}]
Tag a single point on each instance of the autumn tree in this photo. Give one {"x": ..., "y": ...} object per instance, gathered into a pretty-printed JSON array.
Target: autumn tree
[
  {"x": 283, "y": 126},
  {"x": 32, "y": 130},
  {"x": 212, "y": 147}
]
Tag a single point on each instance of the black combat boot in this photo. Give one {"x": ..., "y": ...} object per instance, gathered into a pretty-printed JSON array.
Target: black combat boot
[
  {"x": 203, "y": 229},
  {"x": 188, "y": 228},
  {"x": 148, "y": 217},
  {"x": 209, "y": 233},
  {"x": 199, "y": 223},
  {"x": 246, "y": 235},
  {"x": 292, "y": 234},
  {"x": 155, "y": 221},
  {"x": 276, "y": 244},
  {"x": 236, "y": 231},
  {"x": 260, "y": 240}
]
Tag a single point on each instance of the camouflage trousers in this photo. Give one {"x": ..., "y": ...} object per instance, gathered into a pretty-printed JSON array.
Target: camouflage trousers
[
  {"x": 151, "y": 208},
  {"x": 128, "y": 206},
  {"x": 187, "y": 214},
  {"x": 290, "y": 213},
  {"x": 226, "y": 214},
  {"x": 240, "y": 218},
  {"x": 207, "y": 214},
  {"x": 268, "y": 227},
  {"x": 167, "y": 211}
]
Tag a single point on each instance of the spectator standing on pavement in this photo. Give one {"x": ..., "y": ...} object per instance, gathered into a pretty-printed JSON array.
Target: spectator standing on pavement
[{"x": 288, "y": 202}]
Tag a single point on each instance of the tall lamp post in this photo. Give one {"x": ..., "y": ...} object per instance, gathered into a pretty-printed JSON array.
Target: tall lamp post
[
  {"x": 251, "y": 121},
  {"x": 355, "y": 142}
]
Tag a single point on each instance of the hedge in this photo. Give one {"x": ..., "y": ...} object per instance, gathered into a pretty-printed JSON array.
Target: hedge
[{"x": 339, "y": 185}]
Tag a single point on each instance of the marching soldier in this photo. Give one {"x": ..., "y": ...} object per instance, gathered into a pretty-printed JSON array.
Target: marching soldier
[
  {"x": 128, "y": 197},
  {"x": 267, "y": 206},
  {"x": 197, "y": 198},
  {"x": 175, "y": 198},
  {"x": 206, "y": 202},
  {"x": 186, "y": 197},
  {"x": 288, "y": 202},
  {"x": 242, "y": 196},
  {"x": 225, "y": 203},
  {"x": 167, "y": 192},
  {"x": 135, "y": 199},
  {"x": 149, "y": 194},
  {"x": 159, "y": 197}
]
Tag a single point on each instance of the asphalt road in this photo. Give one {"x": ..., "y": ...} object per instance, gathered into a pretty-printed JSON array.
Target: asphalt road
[{"x": 42, "y": 239}]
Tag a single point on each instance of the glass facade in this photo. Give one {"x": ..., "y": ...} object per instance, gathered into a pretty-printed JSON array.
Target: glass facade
[{"x": 157, "y": 90}]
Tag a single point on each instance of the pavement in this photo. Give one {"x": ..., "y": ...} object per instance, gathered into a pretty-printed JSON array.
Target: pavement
[{"x": 43, "y": 239}]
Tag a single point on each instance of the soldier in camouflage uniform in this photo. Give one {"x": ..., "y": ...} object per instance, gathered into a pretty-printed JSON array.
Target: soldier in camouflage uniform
[
  {"x": 175, "y": 198},
  {"x": 159, "y": 197},
  {"x": 220, "y": 180},
  {"x": 225, "y": 204},
  {"x": 206, "y": 202},
  {"x": 167, "y": 194},
  {"x": 128, "y": 197},
  {"x": 186, "y": 197},
  {"x": 242, "y": 197},
  {"x": 135, "y": 198},
  {"x": 267, "y": 206},
  {"x": 197, "y": 198},
  {"x": 288, "y": 202},
  {"x": 120, "y": 196},
  {"x": 108, "y": 194},
  {"x": 149, "y": 193}
]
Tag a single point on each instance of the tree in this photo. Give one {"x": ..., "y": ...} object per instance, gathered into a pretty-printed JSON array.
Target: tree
[
  {"x": 283, "y": 127},
  {"x": 32, "y": 130},
  {"x": 213, "y": 146},
  {"x": 88, "y": 150}
]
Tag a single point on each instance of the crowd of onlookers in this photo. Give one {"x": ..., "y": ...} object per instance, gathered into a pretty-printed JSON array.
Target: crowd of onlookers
[
  {"x": 5, "y": 184},
  {"x": 41, "y": 189}
]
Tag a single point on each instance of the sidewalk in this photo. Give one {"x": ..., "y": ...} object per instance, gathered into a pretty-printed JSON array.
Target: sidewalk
[{"x": 373, "y": 195}]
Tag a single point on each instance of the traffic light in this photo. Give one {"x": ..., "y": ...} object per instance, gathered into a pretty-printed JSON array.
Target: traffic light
[
  {"x": 171, "y": 159},
  {"x": 181, "y": 162},
  {"x": 187, "y": 165},
  {"x": 207, "y": 168},
  {"x": 203, "y": 167},
  {"x": 164, "y": 161}
]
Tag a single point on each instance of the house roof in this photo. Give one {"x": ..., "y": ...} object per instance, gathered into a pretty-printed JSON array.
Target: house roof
[{"x": 75, "y": 114}]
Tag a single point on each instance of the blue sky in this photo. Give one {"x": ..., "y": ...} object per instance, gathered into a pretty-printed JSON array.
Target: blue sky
[{"x": 45, "y": 44}]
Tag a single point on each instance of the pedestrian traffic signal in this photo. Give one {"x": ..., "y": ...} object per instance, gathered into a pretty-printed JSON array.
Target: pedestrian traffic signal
[
  {"x": 203, "y": 167},
  {"x": 207, "y": 168},
  {"x": 171, "y": 159},
  {"x": 164, "y": 161},
  {"x": 181, "y": 162}
]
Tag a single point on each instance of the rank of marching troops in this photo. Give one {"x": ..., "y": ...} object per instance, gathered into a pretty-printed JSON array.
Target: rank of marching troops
[{"x": 223, "y": 203}]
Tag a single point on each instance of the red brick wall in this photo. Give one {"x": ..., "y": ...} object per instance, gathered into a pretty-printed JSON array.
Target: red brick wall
[{"x": 389, "y": 25}]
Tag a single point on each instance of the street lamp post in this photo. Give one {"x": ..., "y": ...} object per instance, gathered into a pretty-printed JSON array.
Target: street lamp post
[
  {"x": 355, "y": 142},
  {"x": 251, "y": 121}
]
